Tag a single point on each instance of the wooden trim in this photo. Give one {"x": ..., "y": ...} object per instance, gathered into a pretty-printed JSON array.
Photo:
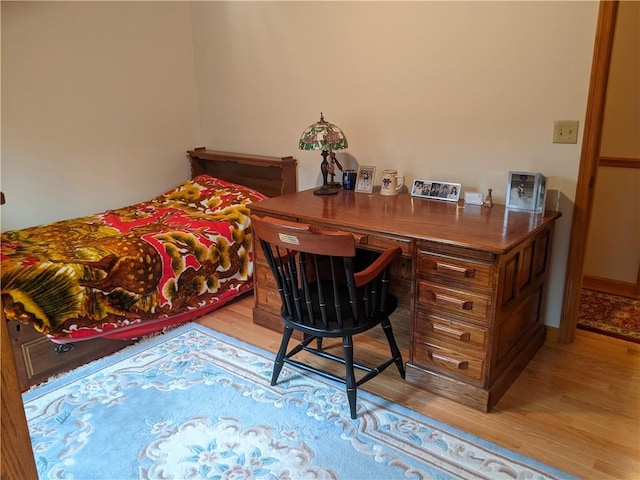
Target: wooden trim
[
  {"x": 552, "y": 334},
  {"x": 17, "y": 454},
  {"x": 611, "y": 286},
  {"x": 588, "y": 167},
  {"x": 619, "y": 162}
]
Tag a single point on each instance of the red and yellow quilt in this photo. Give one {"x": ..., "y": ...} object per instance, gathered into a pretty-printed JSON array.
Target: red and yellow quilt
[{"x": 131, "y": 271}]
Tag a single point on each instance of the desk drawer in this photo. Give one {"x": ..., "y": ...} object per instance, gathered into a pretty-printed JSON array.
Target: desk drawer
[
  {"x": 459, "y": 334},
  {"x": 37, "y": 358},
  {"x": 468, "y": 304},
  {"x": 382, "y": 242},
  {"x": 436, "y": 357},
  {"x": 457, "y": 270}
]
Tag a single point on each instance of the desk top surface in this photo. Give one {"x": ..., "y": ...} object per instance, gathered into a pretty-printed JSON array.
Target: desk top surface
[{"x": 494, "y": 229}]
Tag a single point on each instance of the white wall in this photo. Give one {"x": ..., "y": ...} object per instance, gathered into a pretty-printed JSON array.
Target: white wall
[
  {"x": 99, "y": 105},
  {"x": 99, "y": 100},
  {"x": 454, "y": 91}
]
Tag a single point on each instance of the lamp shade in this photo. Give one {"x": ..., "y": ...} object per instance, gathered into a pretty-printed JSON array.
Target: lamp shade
[{"x": 324, "y": 136}]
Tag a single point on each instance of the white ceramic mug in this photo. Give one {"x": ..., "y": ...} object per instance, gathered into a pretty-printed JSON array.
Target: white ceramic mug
[{"x": 391, "y": 182}]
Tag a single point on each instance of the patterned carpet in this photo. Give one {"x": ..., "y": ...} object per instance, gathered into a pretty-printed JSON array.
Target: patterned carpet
[
  {"x": 610, "y": 315},
  {"x": 196, "y": 404}
]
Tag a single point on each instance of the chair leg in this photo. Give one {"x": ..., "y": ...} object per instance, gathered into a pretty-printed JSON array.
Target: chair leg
[
  {"x": 395, "y": 351},
  {"x": 279, "y": 362},
  {"x": 350, "y": 378}
]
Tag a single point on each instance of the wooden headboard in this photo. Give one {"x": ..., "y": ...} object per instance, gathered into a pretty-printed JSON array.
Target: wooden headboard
[{"x": 271, "y": 176}]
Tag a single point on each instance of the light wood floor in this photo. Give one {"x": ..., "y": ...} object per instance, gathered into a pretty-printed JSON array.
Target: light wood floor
[{"x": 575, "y": 407}]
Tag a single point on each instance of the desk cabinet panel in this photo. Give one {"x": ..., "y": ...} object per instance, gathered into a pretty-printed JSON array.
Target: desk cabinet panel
[
  {"x": 516, "y": 324},
  {"x": 266, "y": 295}
]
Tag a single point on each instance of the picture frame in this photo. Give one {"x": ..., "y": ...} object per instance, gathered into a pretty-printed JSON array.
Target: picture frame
[
  {"x": 526, "y": 191},
  {"x": 364, "y": 178},
  {"x": 436, "y": 190}
]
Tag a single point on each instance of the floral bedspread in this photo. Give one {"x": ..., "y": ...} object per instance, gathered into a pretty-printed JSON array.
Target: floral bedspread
[{"x": 134, "y": 270}]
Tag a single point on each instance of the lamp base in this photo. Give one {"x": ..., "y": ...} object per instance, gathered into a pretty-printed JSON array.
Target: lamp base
[{"x": 326, "y": 190}]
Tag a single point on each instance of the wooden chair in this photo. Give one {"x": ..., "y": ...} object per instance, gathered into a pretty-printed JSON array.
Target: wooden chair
[{"x": 324, "y": 297}]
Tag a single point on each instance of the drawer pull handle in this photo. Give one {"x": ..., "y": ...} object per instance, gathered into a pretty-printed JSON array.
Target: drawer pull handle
[
  {"x": 63, "y": 348},
  {"x": 361, "y": 238},
  {"x": 458, "y": 364},
  {"x": 461, "y": 304},
  {"x": 452, "y": 332},
  {"x": 447, "y": 267}
]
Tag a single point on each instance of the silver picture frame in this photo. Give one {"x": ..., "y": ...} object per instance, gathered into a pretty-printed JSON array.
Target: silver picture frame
[
  {"x": 436, "y": 190},
  {"x": 526, "y": 191}
]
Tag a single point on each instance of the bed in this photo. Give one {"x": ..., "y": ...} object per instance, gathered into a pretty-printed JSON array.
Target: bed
[
  {"x": 126, "y": 273},
  {"x": 135, "y": 270}
]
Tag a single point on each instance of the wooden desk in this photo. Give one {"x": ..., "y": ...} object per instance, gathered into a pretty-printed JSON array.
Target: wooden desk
[{"x": 472, "y": 280}]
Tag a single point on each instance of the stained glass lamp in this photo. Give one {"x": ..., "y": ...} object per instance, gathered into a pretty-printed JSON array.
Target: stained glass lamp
[{"x": 326, "y": 137}]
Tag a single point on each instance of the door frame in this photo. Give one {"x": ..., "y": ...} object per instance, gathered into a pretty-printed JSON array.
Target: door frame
[{"x": 588, "y": 168}]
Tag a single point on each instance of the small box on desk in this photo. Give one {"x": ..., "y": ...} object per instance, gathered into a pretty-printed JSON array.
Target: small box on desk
[{"x": 526, "y": 191}]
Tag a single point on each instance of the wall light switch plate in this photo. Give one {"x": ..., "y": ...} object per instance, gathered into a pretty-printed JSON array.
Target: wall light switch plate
[
  {"x": 565, "y": 131},
  {"x": 472, "y": 198}
]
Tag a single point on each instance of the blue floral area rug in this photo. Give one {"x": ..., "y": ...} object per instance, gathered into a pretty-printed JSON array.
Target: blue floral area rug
[{"x": 193, "y": 403}]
